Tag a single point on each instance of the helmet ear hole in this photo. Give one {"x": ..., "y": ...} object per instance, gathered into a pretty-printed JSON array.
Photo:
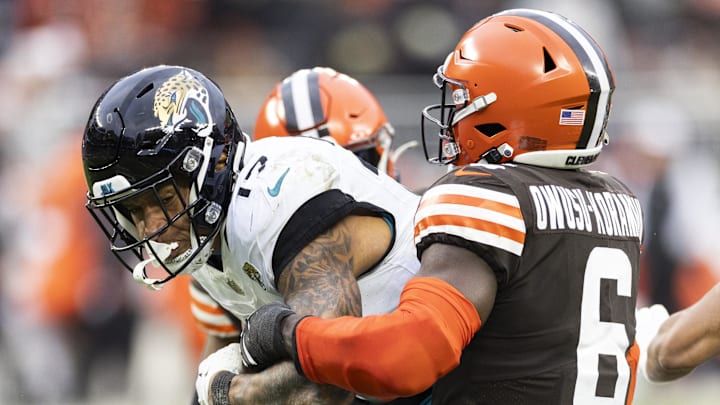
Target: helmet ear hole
[
  {"x": 514, "y": 27},
  {"x": 145, "y": 90},
  {"x": 491, "y": 129},
  {"x": 549, "y": 63}
]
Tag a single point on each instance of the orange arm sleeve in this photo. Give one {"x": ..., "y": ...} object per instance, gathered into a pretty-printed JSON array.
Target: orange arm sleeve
[{"x": 397, "y": 354}]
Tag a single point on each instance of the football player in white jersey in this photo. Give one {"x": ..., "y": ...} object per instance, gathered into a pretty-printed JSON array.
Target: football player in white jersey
[
  {"x": 319, "y": 103},
  {"x": 530, "y": 262},
  {"x": 179, "y": 189}
]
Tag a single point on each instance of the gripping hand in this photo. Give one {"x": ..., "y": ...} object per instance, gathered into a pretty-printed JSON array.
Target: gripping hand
[
  {"x": 648, "y": 321},
  {"x": 215, "y": 372},
  {"x": 262, "y": 342}
]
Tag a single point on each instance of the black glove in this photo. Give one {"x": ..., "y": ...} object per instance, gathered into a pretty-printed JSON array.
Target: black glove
[{"x": 262, "y": 342}]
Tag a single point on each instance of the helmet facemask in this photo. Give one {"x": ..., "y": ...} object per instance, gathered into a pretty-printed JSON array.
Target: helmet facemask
[
  {"x": 445, "y": 116},
  {"x": 374, "y": 148},
  {"x": 110, "y": 209}
]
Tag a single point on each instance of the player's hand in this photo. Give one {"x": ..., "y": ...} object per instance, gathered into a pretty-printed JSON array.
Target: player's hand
[
  {"x": 215, "y": 373},
  {"x": 648, "y": 321},
  {"x": 261, "y": 338}
]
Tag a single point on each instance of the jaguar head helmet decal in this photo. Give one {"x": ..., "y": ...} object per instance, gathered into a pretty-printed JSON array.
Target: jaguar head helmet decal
[{"x": 180, "y": 99}]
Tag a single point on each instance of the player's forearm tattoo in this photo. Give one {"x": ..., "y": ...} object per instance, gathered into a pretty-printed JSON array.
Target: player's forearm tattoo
[{"x": 320, "y": 280}]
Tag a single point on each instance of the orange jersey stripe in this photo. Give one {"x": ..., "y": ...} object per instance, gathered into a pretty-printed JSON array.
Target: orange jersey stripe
[
  {"x": 228, "y": 329},
  {"x": 473, "y": 202},
  {"x": 474, "y": 223},
  {"x": 474, "y": 213},
  {"x": 633, "y": 358},
  {"x": 210, "y": 309}
]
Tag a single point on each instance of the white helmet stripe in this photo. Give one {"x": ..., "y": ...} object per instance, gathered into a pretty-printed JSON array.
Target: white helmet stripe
[{"x": 301, "y": 99}]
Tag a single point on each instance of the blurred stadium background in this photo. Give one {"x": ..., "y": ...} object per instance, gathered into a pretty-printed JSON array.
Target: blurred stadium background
[{"x": 74, "y": 330}]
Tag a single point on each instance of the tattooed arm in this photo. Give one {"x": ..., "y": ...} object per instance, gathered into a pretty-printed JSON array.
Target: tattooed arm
[{"x": 321, "y": 280}]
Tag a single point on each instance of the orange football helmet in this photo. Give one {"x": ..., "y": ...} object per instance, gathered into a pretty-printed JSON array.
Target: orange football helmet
[
  {"x": 526, "y": 86},
  {"x": 320, "y": 102}
]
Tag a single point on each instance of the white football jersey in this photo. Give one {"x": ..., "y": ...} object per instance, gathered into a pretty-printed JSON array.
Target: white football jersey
[{"x": 289, "y": 191}]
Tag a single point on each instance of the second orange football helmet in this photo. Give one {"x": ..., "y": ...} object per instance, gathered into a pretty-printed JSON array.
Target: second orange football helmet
[{"x": 320, "y": 102}]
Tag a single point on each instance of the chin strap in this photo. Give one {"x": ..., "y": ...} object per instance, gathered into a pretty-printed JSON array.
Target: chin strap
[
  {"x": 158, "y": 252},
  {"x": 495, "y": 155}
]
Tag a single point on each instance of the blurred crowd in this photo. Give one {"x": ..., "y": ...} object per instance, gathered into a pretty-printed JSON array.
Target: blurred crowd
[{"x": 75, "y": 329}]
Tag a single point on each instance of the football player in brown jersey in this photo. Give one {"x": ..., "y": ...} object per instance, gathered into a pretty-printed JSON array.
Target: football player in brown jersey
[{"x": 528, "y": 282}]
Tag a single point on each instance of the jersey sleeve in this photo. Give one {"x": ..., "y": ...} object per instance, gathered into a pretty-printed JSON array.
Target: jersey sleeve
[
  {"x": 475, "y": 211},
  {"x": 401, "y": 353},
  {"x": 210, "y": 316}
]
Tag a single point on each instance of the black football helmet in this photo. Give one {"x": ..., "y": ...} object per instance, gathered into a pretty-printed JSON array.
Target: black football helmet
[{"x": 164, "y": 125}]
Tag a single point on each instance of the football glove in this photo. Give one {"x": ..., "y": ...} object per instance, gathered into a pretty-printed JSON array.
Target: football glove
[
  {"x": 261, "y": 338},
  {"x": 227, "y": 360},
  {"x": 648, "y": 321}
]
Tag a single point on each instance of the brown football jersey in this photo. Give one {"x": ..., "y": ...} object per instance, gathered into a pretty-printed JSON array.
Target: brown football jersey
[{"x": 565, "y": 247}]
